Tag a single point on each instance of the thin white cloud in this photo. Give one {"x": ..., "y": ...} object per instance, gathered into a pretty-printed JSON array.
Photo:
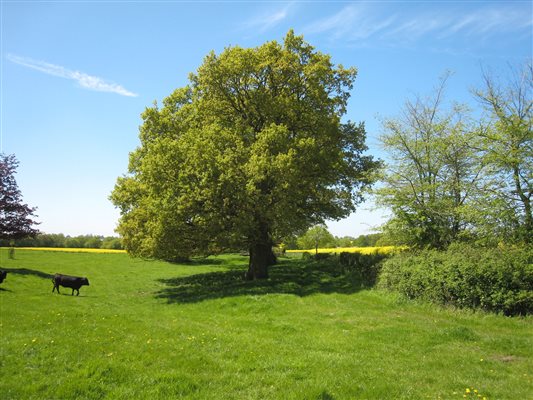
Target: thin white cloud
[
  {"x": 339, "y": 23},
  {"x": 353, "y": 22},
  {"x": 267, "y": 21},
  {"x": 481, "y": 24},
  {"x": 84, "y": 80},
  {"x": 361, "y": 21},
  {"x": 490, "y": 21}
]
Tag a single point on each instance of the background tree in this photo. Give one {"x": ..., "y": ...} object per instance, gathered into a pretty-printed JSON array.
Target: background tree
[
  {"x": 251, "y": 151},
  {"x": 315, "y": 237},
  {"x": 433, "y": 174},
  {"x": 344, "y": 241},
  {"x": 507, "y": 146},
  {"x": 16, "y": 218},
  {"x": 369, "y": 240}
]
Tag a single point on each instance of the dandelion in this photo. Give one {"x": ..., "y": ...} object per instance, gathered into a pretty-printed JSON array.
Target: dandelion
[
  {"x": 33, "y": 340},
  {"x": 467, "y": 390}
]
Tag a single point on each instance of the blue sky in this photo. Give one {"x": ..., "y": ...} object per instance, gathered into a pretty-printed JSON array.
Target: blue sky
[{"x": 75, "y": 77}]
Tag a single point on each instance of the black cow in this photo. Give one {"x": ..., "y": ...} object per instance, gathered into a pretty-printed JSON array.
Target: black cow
[
  {"x": 3, "y": 275},
  {"x": 73, "y": 282}
]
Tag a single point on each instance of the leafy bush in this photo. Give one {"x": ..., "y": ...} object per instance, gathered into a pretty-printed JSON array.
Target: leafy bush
[
  {"x": 363, "y": 267},
  {"x": 323, "y": 256},
  {"x": 493, "y": 279}
]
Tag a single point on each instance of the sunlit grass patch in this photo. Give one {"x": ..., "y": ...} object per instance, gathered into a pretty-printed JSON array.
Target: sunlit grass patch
[{"x": 73, "y": 250}]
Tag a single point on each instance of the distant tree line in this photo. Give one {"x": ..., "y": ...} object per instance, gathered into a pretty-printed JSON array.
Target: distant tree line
[
  {"x": 319, "y": 237},
  {"x": 60, "y": 240}
]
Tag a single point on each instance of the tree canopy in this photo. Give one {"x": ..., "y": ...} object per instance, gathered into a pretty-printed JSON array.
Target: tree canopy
[
  {"x": 251, "y": 150},
  {"x": 16, "y": 218}
]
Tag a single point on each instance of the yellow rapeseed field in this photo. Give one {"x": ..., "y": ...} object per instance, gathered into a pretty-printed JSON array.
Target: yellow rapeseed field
[
  {"x": 73, "y": 250},
  {"x": 362, "y": 250}
]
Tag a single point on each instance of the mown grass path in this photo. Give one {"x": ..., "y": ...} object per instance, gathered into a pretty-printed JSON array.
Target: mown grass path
[{"x": 154, "y": 330}]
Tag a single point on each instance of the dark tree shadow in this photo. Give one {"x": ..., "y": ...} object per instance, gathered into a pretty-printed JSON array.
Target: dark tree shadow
[
  {"x": 325, "y": 396},
  {"x": 203, "y": 261},
  {"x": 300, "y": 278},
  {"x": 229, "y": 262},
  {"x": 25, "y": 271}
]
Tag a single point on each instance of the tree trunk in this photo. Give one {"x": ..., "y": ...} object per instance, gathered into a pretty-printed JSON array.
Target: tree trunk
[
  {"x": 528, "y": 223},
  {"x": 261, "y": 257},
  {"x": 11, "y": 251}
]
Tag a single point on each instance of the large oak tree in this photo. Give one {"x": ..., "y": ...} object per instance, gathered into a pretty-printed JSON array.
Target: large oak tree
[{"x": 251, "y": 150}]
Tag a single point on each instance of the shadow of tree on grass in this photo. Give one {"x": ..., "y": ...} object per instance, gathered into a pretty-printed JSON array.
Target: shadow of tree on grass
[
  {"x": 26, "y": 271},
  {"x": 297, "y": 277}
]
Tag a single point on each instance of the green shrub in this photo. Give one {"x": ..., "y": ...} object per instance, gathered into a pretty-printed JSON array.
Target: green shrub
[
  {"x": 363, "y": 267},
  {"x": 323, "y": 256},
  {"x": 493, "y": 279}
]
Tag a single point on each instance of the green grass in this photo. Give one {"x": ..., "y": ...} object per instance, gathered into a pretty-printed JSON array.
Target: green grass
[{"x": 154, "y": 330}]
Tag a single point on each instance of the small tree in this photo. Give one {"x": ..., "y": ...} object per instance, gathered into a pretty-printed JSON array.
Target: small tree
[
  {"x": 16, "y": 218},
  {"x": 433, "y": 174},
  {"x": 317, "y": 236},
  {"x": 507, "y": 146}
]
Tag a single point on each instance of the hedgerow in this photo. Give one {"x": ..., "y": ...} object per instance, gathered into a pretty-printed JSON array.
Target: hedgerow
[
  {"x": 493, "y": 279},
  {"x": 364, "y": 267}
]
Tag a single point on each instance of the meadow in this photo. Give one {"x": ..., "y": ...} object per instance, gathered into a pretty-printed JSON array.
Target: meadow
[{"x": 154, "y": 330}]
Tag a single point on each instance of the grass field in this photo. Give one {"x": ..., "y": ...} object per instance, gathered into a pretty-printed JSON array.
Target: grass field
[
  {"x": 154, "y": 330},
  {"x": 70, "y": 250}
]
